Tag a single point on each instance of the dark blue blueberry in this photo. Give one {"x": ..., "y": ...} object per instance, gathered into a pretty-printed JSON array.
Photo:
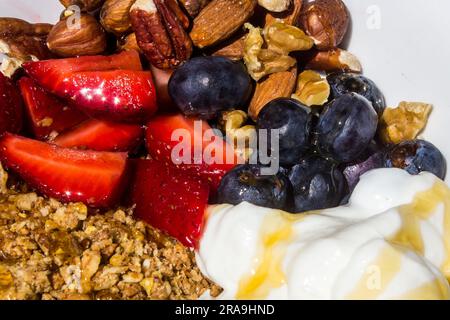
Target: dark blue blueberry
[
  {"x": 417, "y": 156},
  {"x": 342, "y": 83},
  {"x": 204, "y": 86},
  {"x": 317, "y": 184},
  {"x": 293, "y": 120},
  {"x": 346, "y": 127},
  {"x": 248, "y": 183}
]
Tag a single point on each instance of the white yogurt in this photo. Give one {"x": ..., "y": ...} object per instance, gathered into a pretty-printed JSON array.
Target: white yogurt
[{"x": 380, "y": 246}]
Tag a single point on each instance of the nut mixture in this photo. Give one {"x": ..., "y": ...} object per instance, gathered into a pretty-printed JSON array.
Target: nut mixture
[{"x": 53, "y": 251}]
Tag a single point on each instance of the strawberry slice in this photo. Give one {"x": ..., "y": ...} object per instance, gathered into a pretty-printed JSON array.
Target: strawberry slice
[
  {"x": 95, "y": 178},
  {"x": 110, "y": 88},
  {"x": 119, "y": 95},
  {"x": 11, "y": 107},
  {"x": 209, "y": 158},
  {"x": 102, "y": 136},
  {"x": 51, "y": 73},
  {"x": 45, "y": 112},
  {"x": 170, "y": 200}
]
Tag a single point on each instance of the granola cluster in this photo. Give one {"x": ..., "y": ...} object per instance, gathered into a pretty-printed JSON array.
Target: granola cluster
[{"x": 49, "y": 250}]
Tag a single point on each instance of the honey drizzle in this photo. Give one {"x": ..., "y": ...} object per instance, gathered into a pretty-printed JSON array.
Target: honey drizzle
[
  {"x": 388, "y": 264},
  {"x": 268, "y": 274},
  {"x": 424, "y": 205}
]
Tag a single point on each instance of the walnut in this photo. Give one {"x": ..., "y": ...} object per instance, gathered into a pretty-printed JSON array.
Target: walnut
[
  {"x": 404, "y": 122},
  {"x": 312, "y": 89},
  {"x": 243, "y": 136},
  {"x": 280, "y": 39}
]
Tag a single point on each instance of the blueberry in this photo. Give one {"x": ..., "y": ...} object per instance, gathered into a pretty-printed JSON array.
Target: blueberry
[
  {"x": 342, "y": 83},
  {"x": 317, "y": 184},
  {"x": 417, "y": 156},
  {"x": 346, "y": 127},
  {"x": 204, "y": 86},
  {"x": 355, "y": 170},
  {"x": 293, "y": 120},
  {"x": 247, "y": 183}
]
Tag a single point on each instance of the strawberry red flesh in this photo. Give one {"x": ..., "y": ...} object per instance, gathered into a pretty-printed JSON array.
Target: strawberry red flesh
[
  {"x": 110, "y": 88},
  {"x": 160, "y": 146},
  {"x": 94, "y": 178},
  {"x": 45, "y": 112},
  {"x": 102, "y": 136},
  {"x": 11, "y": 106},
  {"x": 120, "y": 95},
  {"x": 170, "y": 200},
  {"x": 51, "y": 73}
]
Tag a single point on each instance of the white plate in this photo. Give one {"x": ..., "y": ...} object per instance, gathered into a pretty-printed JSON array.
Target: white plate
[{"x": 402, "y": 45}]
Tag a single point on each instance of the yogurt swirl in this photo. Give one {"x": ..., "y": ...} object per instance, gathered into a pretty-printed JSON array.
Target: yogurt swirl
[{"x": 392, "y": 241}]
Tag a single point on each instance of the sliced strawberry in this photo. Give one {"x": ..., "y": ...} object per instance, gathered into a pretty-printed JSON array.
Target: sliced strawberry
[
  {"x": 160, "y": 146},
  {"x": 170, "y": 200},
  {"x": 11, "y": 106},
  {"x": 95, "y": 178},
  {"x": 51, "y": 73},
  {"x": 119, "y": 95},
  {"x": 45, "y": 112},
  {"x": 102, "y": 136},
  {"x": 111, "y": 88}
]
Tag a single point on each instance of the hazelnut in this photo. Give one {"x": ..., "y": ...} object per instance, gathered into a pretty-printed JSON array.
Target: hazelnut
[
  {"x": 115, "y": 16},
  {"x": 326, "y": 21},
  {"x": 88, "y": 5},
  {"x": 88, "y": 38}
]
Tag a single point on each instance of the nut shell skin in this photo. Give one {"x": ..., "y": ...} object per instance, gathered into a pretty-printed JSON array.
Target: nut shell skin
[
  {"x": 326, "y": 21},
  {"x": 89, "y": 39}
]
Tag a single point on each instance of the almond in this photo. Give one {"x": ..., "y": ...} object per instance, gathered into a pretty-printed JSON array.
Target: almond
[
  {"x": 233, "y": 50},
  {"x": 219, "y": 20},
  {"x": 276, "y": 85}
]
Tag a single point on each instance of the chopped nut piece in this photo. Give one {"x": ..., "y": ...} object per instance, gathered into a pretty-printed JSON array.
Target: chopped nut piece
[
  {"x": 334, "y": 60},
  {"x": 404, "y": 122},
  {"x": 312, "y": 89},
  {"x": 3, "y": 180},
  {"x": 275, "y": 5}
]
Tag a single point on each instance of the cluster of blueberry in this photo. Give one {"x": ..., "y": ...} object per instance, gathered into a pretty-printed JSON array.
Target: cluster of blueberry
[{"x": 322, "y": 151}]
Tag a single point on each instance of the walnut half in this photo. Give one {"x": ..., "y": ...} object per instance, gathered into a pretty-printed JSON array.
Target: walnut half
[{"x": 404, "y": 122}]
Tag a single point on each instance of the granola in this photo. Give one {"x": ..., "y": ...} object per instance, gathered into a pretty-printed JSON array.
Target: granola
[{"x": 49, "y": 250}]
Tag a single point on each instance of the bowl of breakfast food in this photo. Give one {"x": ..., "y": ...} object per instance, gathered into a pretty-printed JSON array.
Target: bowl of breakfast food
[{"x": 223, "y": 149}]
